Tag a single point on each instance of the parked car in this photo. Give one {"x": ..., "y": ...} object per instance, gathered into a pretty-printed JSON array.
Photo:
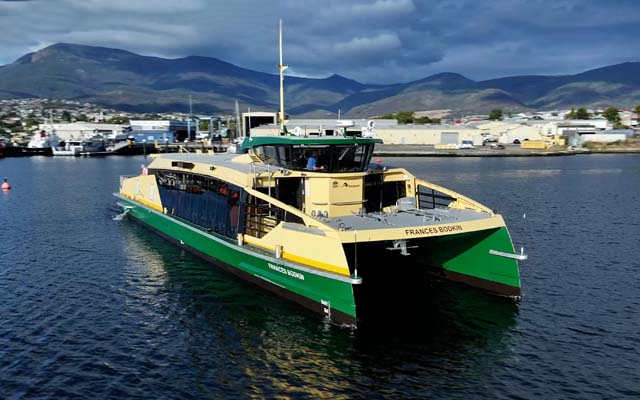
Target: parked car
[
  {"x": 497, "y": 146},
  {"x": 466, "y": 144},
  {"x": 517, "y": 141}
]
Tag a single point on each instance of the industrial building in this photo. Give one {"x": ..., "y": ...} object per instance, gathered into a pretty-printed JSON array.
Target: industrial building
[
  {"x": 160, "y": 130},
  {"x": 76, "y": 130},
  {"x": 386, "y": 129},
  {"x": 543, "y": 132}
]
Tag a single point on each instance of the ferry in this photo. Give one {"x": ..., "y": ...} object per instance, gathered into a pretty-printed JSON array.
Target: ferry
[{"x": 315, "y": 221}]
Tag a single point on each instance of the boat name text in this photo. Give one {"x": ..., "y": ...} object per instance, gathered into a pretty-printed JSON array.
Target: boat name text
[
  {"x": 286, "y": 271},
  {"x": 433, "y": 230}
]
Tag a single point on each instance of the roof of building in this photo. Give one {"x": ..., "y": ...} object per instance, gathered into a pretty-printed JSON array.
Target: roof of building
[
  {"x": 378, "y": 126},
  {"x": 334, "y": 122},
  {"x": 312, "y": 140}
]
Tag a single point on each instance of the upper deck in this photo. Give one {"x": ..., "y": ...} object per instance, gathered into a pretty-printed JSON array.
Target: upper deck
[{"x": 348, "y": 195}]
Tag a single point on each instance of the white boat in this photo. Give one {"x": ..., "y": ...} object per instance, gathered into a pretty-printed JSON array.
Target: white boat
[
  {"x": 77, "y": 147},
  {"x": 43, "y": 140},
  {"x": 68, "y": 148}
]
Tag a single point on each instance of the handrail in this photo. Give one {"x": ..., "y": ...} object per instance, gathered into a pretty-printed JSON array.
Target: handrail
[
  {"x": 308, "y": 220},
  {"x": 459, "y": 200}
]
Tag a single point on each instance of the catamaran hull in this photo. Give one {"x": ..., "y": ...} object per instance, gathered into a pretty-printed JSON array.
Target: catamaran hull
[
  {"x": 464, "y": 258},
  {"x": 325, "y": 294},
  {"x": 397, "y": 278}
]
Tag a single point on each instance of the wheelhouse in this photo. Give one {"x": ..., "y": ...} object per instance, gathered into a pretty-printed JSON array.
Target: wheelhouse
[{"x": 332, "y": 155}]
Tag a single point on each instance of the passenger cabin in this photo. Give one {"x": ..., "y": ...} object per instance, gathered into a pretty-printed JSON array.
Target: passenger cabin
[{"x": 326, "y": 177}]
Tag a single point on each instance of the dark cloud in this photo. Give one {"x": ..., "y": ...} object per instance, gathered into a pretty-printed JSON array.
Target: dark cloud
[{"x": 371, "y": 41}]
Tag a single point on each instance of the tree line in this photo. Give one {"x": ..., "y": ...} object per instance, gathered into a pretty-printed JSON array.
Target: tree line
[
  {"x": 408, "y": 117},
  {"x": 611, "y": 114}
]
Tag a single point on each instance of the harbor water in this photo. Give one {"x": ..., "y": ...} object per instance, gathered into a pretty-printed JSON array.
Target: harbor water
[{"x": 92, "y": 307}]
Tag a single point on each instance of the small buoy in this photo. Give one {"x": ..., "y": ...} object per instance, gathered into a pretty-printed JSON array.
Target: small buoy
[
  {"x": 378, "y": 160},
  {"x": 6, "y": 185}
]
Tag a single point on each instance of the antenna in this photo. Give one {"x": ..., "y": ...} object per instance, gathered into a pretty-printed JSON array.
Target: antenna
[
  {"x": 189, "y": 120},
  {"x": 239, "y": 132},
  {"x": 281, "y": 68}
]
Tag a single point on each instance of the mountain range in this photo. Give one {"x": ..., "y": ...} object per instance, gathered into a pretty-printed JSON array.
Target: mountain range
[{"x": 127, "y": 81}]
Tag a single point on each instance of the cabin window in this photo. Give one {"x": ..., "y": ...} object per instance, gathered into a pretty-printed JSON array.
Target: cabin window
[
  {"x": 349, "y": 158},
  {"x": 204, "y": 201},
  {"x": 429, "y": 198},
  {"x": 181, "y": 164},
  {"x": 271, "y": 155},
  {"x": 332, "y": 158}
]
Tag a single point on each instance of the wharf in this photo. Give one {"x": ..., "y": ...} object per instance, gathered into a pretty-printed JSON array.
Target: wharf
[
  {"x": 142, "y": 148},
  {"x": 392, "y": 150},
  {"x": 383, "y": 150},
  {"x": 123, "y": 149}
]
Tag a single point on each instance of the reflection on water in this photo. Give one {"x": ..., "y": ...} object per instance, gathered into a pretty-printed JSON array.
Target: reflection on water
[{"x": 282, "y": 348}]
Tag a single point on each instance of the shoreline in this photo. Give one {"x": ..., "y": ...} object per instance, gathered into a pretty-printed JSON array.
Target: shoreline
[{"x": 510, "y": 151}]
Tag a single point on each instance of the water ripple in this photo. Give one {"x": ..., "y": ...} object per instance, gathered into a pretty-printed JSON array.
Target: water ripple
[{"x": 93, "y": 307}]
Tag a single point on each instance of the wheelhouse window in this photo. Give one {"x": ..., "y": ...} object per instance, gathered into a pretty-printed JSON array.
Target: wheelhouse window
[{"x": 332, "y": 158}]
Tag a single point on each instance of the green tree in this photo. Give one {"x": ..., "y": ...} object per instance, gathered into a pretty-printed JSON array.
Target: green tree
[
  {"x": 582, "y": 113},
  {"x": 423, "y": 120},
  {"x": 620, "y": 125},
  {"x": 204, "y": 125},
  {"x": 30, "y": 122},
  {"x": 404, "y": 117},
  {"x": 495, "y": 114},
  {"x": 82, "y": 118},
  {"x": 571, "y": 114},
  {"x": 612, "y": 115},
  {"x": 66, "y": 116},
  {"x": 118, "y": 120},
  {"x": 637, "y": 110}
]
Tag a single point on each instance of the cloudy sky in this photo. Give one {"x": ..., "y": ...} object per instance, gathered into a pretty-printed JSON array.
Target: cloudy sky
[{"x": 371, "y": 41}]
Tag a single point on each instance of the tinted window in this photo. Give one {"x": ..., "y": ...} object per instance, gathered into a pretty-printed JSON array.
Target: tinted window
[
  {"x": 328, "y": 158},
  {"x": 201, "y": 200}
]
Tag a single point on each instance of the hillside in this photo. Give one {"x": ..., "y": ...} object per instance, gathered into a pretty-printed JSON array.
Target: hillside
[{"x": 128, "y": 81}]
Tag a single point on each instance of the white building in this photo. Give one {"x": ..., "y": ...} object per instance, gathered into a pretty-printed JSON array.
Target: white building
[
  {"x": 386, "y": 129},
  {"x": 76, "y": 130}
]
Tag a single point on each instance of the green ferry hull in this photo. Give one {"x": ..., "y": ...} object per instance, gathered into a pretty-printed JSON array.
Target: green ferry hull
[
  {"x": 326, "y": 295},
  {"x": 391, "y": 279},
  {"x": 466, "y": 258},
  {"x": 463, "y": 258}
]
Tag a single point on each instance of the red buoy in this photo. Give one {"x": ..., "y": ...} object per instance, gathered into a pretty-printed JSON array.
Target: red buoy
[{"x": 6, "y": 185}]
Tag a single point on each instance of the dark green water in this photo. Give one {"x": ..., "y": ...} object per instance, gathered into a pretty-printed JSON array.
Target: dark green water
[{"x": 96, "y": 308}]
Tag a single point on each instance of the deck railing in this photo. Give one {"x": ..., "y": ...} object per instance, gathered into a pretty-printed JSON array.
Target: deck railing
[
  {"x": 260, "y": 218},
  {"x": 429, "y": 198}
]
